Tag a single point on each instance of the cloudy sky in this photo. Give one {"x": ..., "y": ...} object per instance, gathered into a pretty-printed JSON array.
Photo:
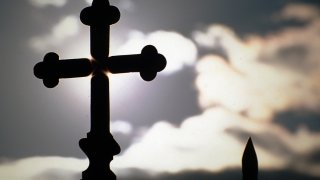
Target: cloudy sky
[{"x": 236, "y": 69}]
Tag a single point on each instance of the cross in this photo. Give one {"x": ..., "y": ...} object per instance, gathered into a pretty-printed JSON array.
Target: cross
[{"x": 99, "y": 145}]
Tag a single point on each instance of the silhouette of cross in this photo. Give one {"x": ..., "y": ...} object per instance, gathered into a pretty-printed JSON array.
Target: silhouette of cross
[{"x": 99, "y": 145}]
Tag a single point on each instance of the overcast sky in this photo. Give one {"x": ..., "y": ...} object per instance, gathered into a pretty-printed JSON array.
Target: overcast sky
[{"x": 236, "y": 69}]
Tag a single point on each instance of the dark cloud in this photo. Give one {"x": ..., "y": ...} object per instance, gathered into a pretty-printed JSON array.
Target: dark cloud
[
  {"x": 247, "y": 16},
  {"x": 293, "y": 119},
  {"x": 314, "y": 157},
  {"x": 57, "y": 175},
  {"x": 217, "y": 49},
  {"x": 284, "y": 174},
  {"x": 171, "y": 98},
  {"x": 295, "y": 53},
  {"x": 230, "y": 174},
  {"x": 266, "y": 140},
  {"x": 295, "y": 57},
  {"x": 23, "y": 127}
]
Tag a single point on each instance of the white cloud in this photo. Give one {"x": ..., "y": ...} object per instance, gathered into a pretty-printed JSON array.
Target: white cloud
[
  {"x": 123, "y": 127},
  {"x": 34, "y": 167},
  {"x": 241, "y": 93},
  {"x": 202, "y": 142},
  {"x": 262, "y": 75},
  {"x": 178, "y": 50},
  {"x": 67, "y": 27},
  {"x": 45, "y": 3},
  {"x": 259, "y": 92}
]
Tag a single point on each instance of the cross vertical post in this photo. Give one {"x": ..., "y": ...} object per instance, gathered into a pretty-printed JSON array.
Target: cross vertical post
[{"x": 99, "y": 145}]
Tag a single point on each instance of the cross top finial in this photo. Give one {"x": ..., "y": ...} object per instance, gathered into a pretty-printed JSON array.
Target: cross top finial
[{"x": 100, "y": 14}]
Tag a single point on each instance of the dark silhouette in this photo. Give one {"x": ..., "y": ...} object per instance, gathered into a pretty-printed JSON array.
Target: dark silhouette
[
  {"x": 99, "y": 146},
  {"x": 249, "y": 162}
]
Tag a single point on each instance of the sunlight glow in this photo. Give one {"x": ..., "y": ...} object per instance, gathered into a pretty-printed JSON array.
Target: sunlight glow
[{"x": 80, "y": 87}]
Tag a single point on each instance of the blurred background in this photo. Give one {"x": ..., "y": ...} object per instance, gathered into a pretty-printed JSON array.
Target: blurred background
[{"x": 236, "y": 69}]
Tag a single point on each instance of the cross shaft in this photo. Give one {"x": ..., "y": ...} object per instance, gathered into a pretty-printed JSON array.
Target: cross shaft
[{"x": 99, "y": 146}]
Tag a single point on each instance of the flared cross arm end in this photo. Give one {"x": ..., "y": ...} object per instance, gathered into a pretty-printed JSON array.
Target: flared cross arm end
[
  {"x": 148, "y": 63},
  {"x": 51, "y": 69}
]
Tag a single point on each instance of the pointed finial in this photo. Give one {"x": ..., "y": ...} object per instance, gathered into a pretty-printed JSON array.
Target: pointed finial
[{"x": 249, "y": 162}]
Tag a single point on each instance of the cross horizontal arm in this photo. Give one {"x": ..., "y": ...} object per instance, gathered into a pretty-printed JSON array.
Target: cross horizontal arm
[
  {"x": 51, "y": 69},
  {"x": 148, "y": 63}
]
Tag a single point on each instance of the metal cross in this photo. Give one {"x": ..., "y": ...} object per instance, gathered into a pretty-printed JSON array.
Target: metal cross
[{"x": 99, "y": 145}]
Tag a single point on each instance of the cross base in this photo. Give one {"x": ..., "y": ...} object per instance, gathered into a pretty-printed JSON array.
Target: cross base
[{"x": 100, "y": 150}]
